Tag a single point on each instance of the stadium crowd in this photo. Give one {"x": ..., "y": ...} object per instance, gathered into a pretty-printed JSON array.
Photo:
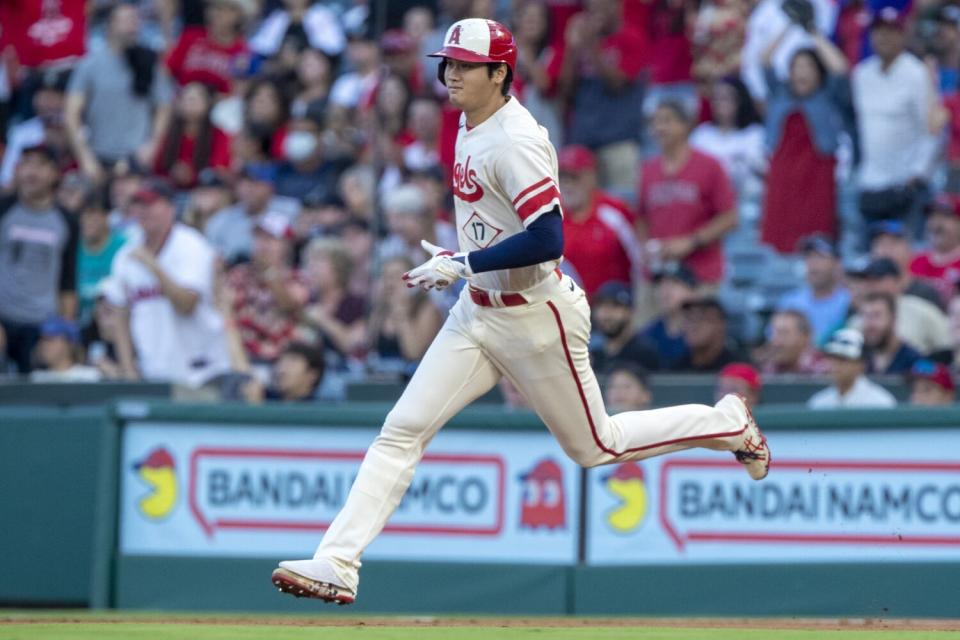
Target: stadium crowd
[{"x": 223, "y": 194}]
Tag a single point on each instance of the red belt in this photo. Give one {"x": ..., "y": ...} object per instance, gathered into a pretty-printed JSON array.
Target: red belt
[{"x": 482, "y": 298}]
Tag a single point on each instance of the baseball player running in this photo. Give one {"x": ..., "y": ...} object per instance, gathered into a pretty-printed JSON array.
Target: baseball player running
[{"x": 517, "y": 317}]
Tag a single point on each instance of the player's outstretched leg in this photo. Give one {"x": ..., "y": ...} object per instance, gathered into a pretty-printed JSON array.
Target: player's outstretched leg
[
  {"x": 544, "y": 353},
  {"x": 452, "y": 374}
]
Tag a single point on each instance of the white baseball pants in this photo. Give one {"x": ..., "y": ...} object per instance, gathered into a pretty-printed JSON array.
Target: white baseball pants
[{"x": 541, "y": 348}]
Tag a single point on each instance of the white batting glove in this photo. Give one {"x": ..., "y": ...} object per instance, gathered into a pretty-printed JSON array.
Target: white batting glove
[{"x": 440, "y": 271}]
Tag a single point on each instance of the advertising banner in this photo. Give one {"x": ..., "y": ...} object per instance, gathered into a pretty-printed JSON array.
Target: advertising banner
[
  {"x": 843, "y": 496},
  {"x": 266, "y": 491}
]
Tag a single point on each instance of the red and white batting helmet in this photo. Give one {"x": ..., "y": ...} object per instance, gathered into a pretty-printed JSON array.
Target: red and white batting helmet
[{"x": 479, "y": 40}]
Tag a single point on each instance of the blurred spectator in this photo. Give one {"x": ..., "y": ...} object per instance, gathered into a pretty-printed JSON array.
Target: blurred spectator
[
  {"x": 422, "y": 151},
  {"x": 58, "y": 354},
  {"x": 674, "y": 285},
  {"x": 599, "y": 238},
  {"x": 358, "y": 188},
  {"x": 789, "y": 348},
  {"x": 192, "y": 143},
  {"x": 850, "y": 388},
  {"x": 403, "y": 321},
  {"x": 939, "y": 265},
  {"x": 118, "y": 100},
  {"x": 768, "y": 20},
  {"x": 265, "y": 114},
  {"x": 614, "y": 339},
  {"x": 669, "y": 24},
  {"x": 38, "y": 255},
  {"x": 705, "y": 332},
  {"x": 805, "y": 120},
  {"x": 212, "y": 194},
  {"x": 824, "y": 299},
  {"x": 919, "y": 323},
  {"x": 306, "y": 168},
  {"x": 742, "y": 379},
  {"x": 122, "y": 186},
  {"x": 357, "y": 241},
  {"x": 217, "y": 52},
  {"x": 45, "y": 127},
  {"x": 931, "y": 384},
  {"x": 354, "y": 87},
  {"x": 409, "y": 222},
  {"x": 626, "y": 388},
  {"x": 433, "y": 183},
  {"x": 296, "y": 377},
  {"x": 889, "y": 239},
  {"x": 165, "y": 280},
  {"x": 946, "y": 49},
  {"x": 401, "y": 59},
  {"x": 687, "y": 204},
  {"x": 333, "y": 311},
  {"x": 230, "y": 230},
  {"x": 600, "y": 77},
  {"x": 719, "y": 31},
  {"x": 314, "y": 74},
  {"x": 312, "y": 22},
  {"x": 321, "y": 213},
  {"x": 886, "y": 353},
  {"x": 98, "y": 246},
  {"x": 734, "y": 135},
  {"x": 893, "y": 94},
  {"x": 268, "y": 295},
  {"x": 100, "y": 335},
  {"x": 74, "y": 190},
  {"x": 953, "y": 311},
  {"x": 538, "y": 68},
  {"x": 43, "y": 34}
]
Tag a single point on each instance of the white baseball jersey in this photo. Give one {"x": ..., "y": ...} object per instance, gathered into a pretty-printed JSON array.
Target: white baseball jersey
[
  {"x": 171, "y": 346},
  {"x": 504, "y": 178}
]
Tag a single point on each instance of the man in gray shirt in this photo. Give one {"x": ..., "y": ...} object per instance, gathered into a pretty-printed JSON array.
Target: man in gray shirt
[
  {"x": 118, "y": 100},
  {"x": 38, "y": 255}
]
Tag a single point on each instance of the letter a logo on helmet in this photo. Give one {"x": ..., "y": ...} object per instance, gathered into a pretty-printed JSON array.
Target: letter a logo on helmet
[
  {"x": 455, "y": 35},
  {"x": 479, "y": 40}
]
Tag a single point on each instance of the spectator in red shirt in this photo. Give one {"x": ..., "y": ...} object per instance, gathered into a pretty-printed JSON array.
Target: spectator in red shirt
[
  {"x": 192, "y": 143},
  {"x": 940, "y": 264},
  {"x": 268, "y": 295},
  {"x": 600, "y": 76},
  {"x": 266, "y": 112},
  {"x": 215, "y": 53},
  {"x": 45, "y": 33},
  {"x": 599, "y": 239},
  {"x": 686, "y": 203}
]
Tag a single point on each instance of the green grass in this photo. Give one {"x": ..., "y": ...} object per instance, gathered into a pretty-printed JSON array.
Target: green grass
[{"x": 148, "y": 631}]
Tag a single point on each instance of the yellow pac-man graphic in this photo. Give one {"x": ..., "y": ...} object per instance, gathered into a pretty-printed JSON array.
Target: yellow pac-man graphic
[
  {"x": 158, "y": 471},
  {"x": 627, "y": 483}
]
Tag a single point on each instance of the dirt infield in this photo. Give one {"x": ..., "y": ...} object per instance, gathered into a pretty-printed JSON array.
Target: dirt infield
[{"x": 836, "y": 624}]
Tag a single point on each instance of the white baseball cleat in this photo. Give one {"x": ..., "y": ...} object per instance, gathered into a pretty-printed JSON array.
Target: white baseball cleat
[
  {"x": 312, "y": 579},
  {"x": 753, "y": 453}
]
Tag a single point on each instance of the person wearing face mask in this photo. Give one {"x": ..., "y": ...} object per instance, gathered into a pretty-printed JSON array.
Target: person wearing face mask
[
  {"x": 305, "y": 168},
  {"x": 805, "y": 116}
]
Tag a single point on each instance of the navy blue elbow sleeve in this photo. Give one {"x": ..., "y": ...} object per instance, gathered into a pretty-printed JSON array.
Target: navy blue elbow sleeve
[{"x": 540, "y": 242}]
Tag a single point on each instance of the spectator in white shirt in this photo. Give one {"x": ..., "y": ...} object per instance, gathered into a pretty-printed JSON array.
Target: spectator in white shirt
[
  {"x": 768, "y": 20},
  {"x": 166, "y": 279},
  {"x": 893, "y": 94},
  {"x": 850, "y": 387},
  {"x": 734, "y": 135}
]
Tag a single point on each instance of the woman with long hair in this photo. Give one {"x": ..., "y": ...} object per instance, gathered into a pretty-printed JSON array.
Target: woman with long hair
[
  {"x": 192, "y": 143},
  {"x": 734, "y": 135},
  {"x": 805, "y": 118}
]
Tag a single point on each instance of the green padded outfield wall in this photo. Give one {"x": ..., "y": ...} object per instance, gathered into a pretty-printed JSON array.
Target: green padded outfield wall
[{"x": 57, "y": 474}]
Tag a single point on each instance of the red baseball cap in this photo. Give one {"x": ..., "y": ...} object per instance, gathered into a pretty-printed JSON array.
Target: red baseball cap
[
  {"x": 743, "y": 371},
  {"x": 575, "y": 158},
  {"x": 479, "y": 40}
]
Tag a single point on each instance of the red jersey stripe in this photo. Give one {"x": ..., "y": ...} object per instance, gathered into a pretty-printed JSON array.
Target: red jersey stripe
[
  {"x": 530, "y": 189},
  {"x": 535, "y": 203}
]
